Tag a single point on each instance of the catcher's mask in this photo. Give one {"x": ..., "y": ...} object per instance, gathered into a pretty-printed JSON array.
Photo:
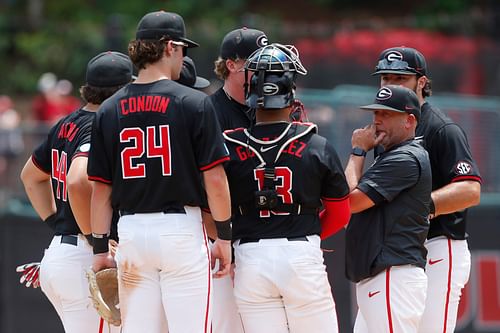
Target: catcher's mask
[{"x": 275, "y": 68}]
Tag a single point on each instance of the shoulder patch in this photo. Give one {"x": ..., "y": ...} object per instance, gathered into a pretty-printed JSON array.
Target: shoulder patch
[
  {"x": 84, "y": 148},
  {"x": 463, "y": 168}
]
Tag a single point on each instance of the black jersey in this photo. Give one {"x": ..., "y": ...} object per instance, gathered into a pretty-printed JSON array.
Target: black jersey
[
  {"x": 393, "y": 231},
  {"x": 451, "y": 161},
  {"x": 68, "y": 139},
  {"x": 307, "y": 170},
  {"x": 230, "y": 113},
  {"x": 151, "y": 142}
]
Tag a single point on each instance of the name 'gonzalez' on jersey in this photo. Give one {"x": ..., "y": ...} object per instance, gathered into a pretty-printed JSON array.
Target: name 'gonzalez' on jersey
[
  {"x": 155, "y": 122},
  {"x": 307, "y": 170}
]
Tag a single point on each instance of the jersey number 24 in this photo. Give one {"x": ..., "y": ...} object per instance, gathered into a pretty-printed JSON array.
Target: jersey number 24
[{"x": 153, "y": 143}]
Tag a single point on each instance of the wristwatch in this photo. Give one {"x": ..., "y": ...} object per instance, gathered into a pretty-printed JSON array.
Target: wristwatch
[{"x": 357, "y": 151}]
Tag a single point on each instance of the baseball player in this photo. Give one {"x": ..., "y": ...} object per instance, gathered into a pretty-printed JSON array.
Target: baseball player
[
  {"x": 456, "y": 186},
  {"x": 55, "y": 180},
  {"x": 385, "y": 253},
  {"x": 153, "y": 143},
  {"x": 280, "y": 173},
  {"x": 232, "y": 112},
  {"x": 229, "y": 100}
]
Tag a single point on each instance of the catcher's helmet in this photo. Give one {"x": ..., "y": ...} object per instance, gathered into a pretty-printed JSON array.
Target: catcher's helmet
[{"x": 273, "y": 85}]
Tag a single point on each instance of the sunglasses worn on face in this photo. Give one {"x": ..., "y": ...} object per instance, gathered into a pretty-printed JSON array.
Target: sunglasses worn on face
[{"x": 183, "y": 45}]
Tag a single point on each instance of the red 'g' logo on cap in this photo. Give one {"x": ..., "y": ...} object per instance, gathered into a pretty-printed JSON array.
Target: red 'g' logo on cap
[
  {"x": 393, "y": 56},
  {"x": 384, "y": 93}
]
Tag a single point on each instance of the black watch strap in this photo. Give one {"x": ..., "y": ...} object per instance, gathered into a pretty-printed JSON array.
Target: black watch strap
[{"x": 357, "y": 151}]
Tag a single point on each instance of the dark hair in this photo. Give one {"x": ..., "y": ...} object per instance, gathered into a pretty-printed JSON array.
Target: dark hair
[
  {"x": 144, "y": 52},
  {"x": 97, "y": 95},
  {"x": 427, "y": 90}
]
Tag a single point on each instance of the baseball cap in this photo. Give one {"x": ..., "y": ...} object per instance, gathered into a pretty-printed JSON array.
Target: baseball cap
[
  {"x": 109, "y": 69},
  {"x": 401, "y": 60},
  {"x": 188, "y": 75},
  {"x": 241, "y": 43},
  {"x": 396, "y": 98},
  {"x": 156, "y": 25}
]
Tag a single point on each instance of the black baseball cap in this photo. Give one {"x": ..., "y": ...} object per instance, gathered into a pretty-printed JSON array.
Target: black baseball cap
[
  {"x": 155, "y": 25},
  {"x": 188, "y": 75},
  {"x": 401, "y": 60},
  {"x": 109, "y": 69},
  {"x": 241, "y": 43},
  {"x": 396, "y": 98}
]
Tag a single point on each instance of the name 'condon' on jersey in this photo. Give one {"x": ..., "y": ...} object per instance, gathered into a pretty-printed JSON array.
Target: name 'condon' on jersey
[{"x": 134, "y": 104}]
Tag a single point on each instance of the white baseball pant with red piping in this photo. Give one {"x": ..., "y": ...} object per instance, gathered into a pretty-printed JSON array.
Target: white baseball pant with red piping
[
  {"x": 164, "y": 273},
  {"x": 392, "y": 301},
  {"x": 448, "y": 269}
]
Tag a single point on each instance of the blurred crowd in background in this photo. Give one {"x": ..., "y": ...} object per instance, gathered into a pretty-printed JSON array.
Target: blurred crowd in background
[{"x": 45, "y": 44}]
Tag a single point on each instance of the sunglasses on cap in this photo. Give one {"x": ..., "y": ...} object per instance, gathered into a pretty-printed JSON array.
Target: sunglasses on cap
[
  {"x": 183, "y": 45},
  {"x": 400, "y": 65}
]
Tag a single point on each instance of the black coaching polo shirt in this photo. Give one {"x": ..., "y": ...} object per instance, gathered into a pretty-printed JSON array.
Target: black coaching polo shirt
[{"x": 393, "y": 231}]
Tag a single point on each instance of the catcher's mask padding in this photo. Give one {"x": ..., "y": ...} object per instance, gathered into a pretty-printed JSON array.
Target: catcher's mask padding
[{"x": 275, "y": 69}]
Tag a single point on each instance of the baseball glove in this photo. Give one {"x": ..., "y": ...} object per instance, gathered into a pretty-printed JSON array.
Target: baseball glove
[{"x": 103, "y": 287}]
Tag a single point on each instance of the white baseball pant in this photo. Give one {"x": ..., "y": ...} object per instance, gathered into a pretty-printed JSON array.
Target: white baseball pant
[
  {"x": 63, "y": 281},
  {"x": 448, "y": 269},
  {"x": 392, "y": 301},
  {"x": 225, "y": 316},
  {"x": 164, "y": 273},
  {"x": 281, "y": 286}
]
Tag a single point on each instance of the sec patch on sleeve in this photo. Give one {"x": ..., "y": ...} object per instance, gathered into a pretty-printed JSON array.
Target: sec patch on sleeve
[{"x": 463, "y": 168}]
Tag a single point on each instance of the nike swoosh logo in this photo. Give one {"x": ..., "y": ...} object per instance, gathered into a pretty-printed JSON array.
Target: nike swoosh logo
[
  {"x": 432, "y": 262},
  {"x": 408, "y": 108},
  {"x": 264, "y": 149},
  {"x": 371, "y": 294}
]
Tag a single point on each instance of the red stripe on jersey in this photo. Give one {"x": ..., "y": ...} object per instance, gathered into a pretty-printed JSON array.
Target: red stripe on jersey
[
  {"x": 234, "y": 130},
  {"x": 80, "y": 155},
  {"x": 462, "y": 178},
  {"x": 215, "y": 163},
  {"x": 99, "y": 179},
  {"x": 209, "y": 282},
  {"x": 449, "y": 286},
  {"x": 335, "y": 199},
  {"x": 38, "y": 165},
  {"x": 388, "y": 298}
]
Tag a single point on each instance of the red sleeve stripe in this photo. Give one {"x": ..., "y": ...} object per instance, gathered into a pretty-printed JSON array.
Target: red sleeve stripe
[
  {"x": 39, "y": 166},
  {"x": 234, "y": 130},
  {"x": 211, "y": 165},
  {"x": 80, "y": 155},
  {"x": 99, "y": 179},
  {"x": 336, "y": 199},
  {"x": 462, "y": 178}
]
